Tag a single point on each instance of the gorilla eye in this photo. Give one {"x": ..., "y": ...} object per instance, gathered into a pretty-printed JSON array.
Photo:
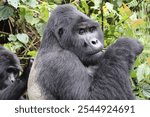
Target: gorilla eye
[
  {"x": 81, "y": 31},
  {"x": 12, "y": 70},
  {"x": 92, "y": 29}
]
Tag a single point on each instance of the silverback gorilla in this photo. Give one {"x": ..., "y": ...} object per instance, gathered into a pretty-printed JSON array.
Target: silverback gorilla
[
  {"x": 70, "y": 63},
  {"x": 12, "y": 86}
]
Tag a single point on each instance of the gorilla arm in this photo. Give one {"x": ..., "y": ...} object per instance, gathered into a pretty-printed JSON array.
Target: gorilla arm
[
  {"x": 67, "y": 77},
  {"x": 109, "y": 81},
  {"x": 14, "y": 91},
  {"x": 113, "y": 72},
  {"x": 124, "y": 50}
]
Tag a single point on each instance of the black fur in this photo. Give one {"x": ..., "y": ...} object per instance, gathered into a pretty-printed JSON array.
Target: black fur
[
  {"x": 69, "y": 67},
  {"x": 11, "y": 89}
]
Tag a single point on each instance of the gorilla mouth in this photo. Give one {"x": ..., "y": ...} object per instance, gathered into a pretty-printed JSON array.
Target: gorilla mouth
[{"x": 96, "y": 53}]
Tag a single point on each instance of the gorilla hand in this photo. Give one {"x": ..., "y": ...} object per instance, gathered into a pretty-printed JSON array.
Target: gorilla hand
[{"x": 133, "y": 44}]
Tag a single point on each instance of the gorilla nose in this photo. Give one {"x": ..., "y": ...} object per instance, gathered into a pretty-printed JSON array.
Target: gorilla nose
[{"x": 95, "y": 43}]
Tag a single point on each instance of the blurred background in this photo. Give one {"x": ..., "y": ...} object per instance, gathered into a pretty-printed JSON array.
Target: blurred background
[{"x": 22, "y": 23}]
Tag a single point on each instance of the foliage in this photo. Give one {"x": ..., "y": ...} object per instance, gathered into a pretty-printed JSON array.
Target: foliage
[{"x": 118, "y": 18}]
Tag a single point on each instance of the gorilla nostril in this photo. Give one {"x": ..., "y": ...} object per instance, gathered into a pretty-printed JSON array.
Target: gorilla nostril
[
  {"x": 96, "y": 44},
  {"x": 93, "y": 42}
]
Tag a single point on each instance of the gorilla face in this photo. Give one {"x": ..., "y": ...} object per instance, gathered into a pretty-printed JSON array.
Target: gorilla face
[
  {"x": 76, "y": 32},
  {"x": 88, "y": 38},
  {"x": 9, "y": 68}
]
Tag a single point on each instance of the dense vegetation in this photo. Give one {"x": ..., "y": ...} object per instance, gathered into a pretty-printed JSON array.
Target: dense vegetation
[{"x": 22, "y": 23}]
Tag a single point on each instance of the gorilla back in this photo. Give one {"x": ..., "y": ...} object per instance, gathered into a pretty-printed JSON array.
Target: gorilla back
[{"x": 70, "y": 63}]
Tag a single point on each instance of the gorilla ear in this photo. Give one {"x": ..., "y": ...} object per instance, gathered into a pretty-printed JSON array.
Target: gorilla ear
[{"x": 60, "y": 32}]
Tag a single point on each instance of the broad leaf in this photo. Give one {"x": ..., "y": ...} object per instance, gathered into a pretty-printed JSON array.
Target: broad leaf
[
  {"x": 32, "y": 53},
  {"x": 146, "y": 90},
  {"x": 14, "y": 3},
  {"x": 23, "y": 38},
  {"x": 12, "y": 37},
  {"x": 5, "y": 12},
  {"x": 140, "y": 72},
  {"x": 31, "y": 3},
  {"x": 143, "y": 71}
]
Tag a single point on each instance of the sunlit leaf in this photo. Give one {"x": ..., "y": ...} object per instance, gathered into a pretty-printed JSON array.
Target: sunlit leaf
[
  {"x": 31, "y": 3},
  {"x": 40, "y": 28},
  {"x": 12, "y": 37},
  {"x": 127, "y": 10},
  {"x": 148, "y": 60},
  {"x": 85, "y": 6},
  {"x": 23, "y": 0},
  {"x": 147, "y": 71},
  {"x": 137, "y": 22},
  {"x": 109, "y": 6},
  {"x": 32, "y": 53},
  {"x": 13, "y": 46},
  {"x": 96, "y": 4},
  {"x": 140, "y": 72},
  {"x": 146, "y": 90},
  {"x": 44, "y": 12},
  {"x": 14, "y": 3},
  {"x": 23, "y": 38},
  {"x": 58, "y": 1},
  {"x": 143, "y": 71},
  {"x": 105, "y": 9},
  {"x": 133, "y": 74}
]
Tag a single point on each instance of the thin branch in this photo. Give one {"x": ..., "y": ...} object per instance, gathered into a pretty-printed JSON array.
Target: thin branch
[{"x": 5, "y": 33}]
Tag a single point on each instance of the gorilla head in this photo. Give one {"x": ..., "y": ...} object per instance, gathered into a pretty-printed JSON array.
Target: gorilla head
[
  {"x": 9, "y": 67},
  {"x": 76, "y": 32}
]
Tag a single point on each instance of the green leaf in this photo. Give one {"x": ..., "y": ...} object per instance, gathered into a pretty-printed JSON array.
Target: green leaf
[
  {"x": 133, "y": 74},
  {"x": 17, "y": 45},
  {"x": 147, "y": 70},
  {"x": 85, "y": 6},
  {"x": 78, "y": 7},
  {"x": 44, "y": 12},
  {"x": 109, "y": 6},
  {"x": 12, "y": 37},
  {"x": 32, "y": 53},
  {"x": 143, "y": 71},
  {"x": 119, "y": 2},
  {"x": 10, "y": 47},
  {"x": 23, "y": 0},
  {"x": 58, "y": 1},
  {"x": 13, "y": 46},
  {"x": 140, "y": 72},
  {"x": 31, "y": 3},
  {"x": 96, "y": 4},
  {"x": 29, "y": 17},
  {"x": 146, "y": 90},
  {"x": 5, "y": 12},
  {"x": 23, "y": 10},
  {"x": 14, "y": 3},
  {"x": 40, "y": 28},
  {"x": 55, "y": 1},
  {"x": 23, "y": 38},
  {"x": 137, "y": 62}
]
